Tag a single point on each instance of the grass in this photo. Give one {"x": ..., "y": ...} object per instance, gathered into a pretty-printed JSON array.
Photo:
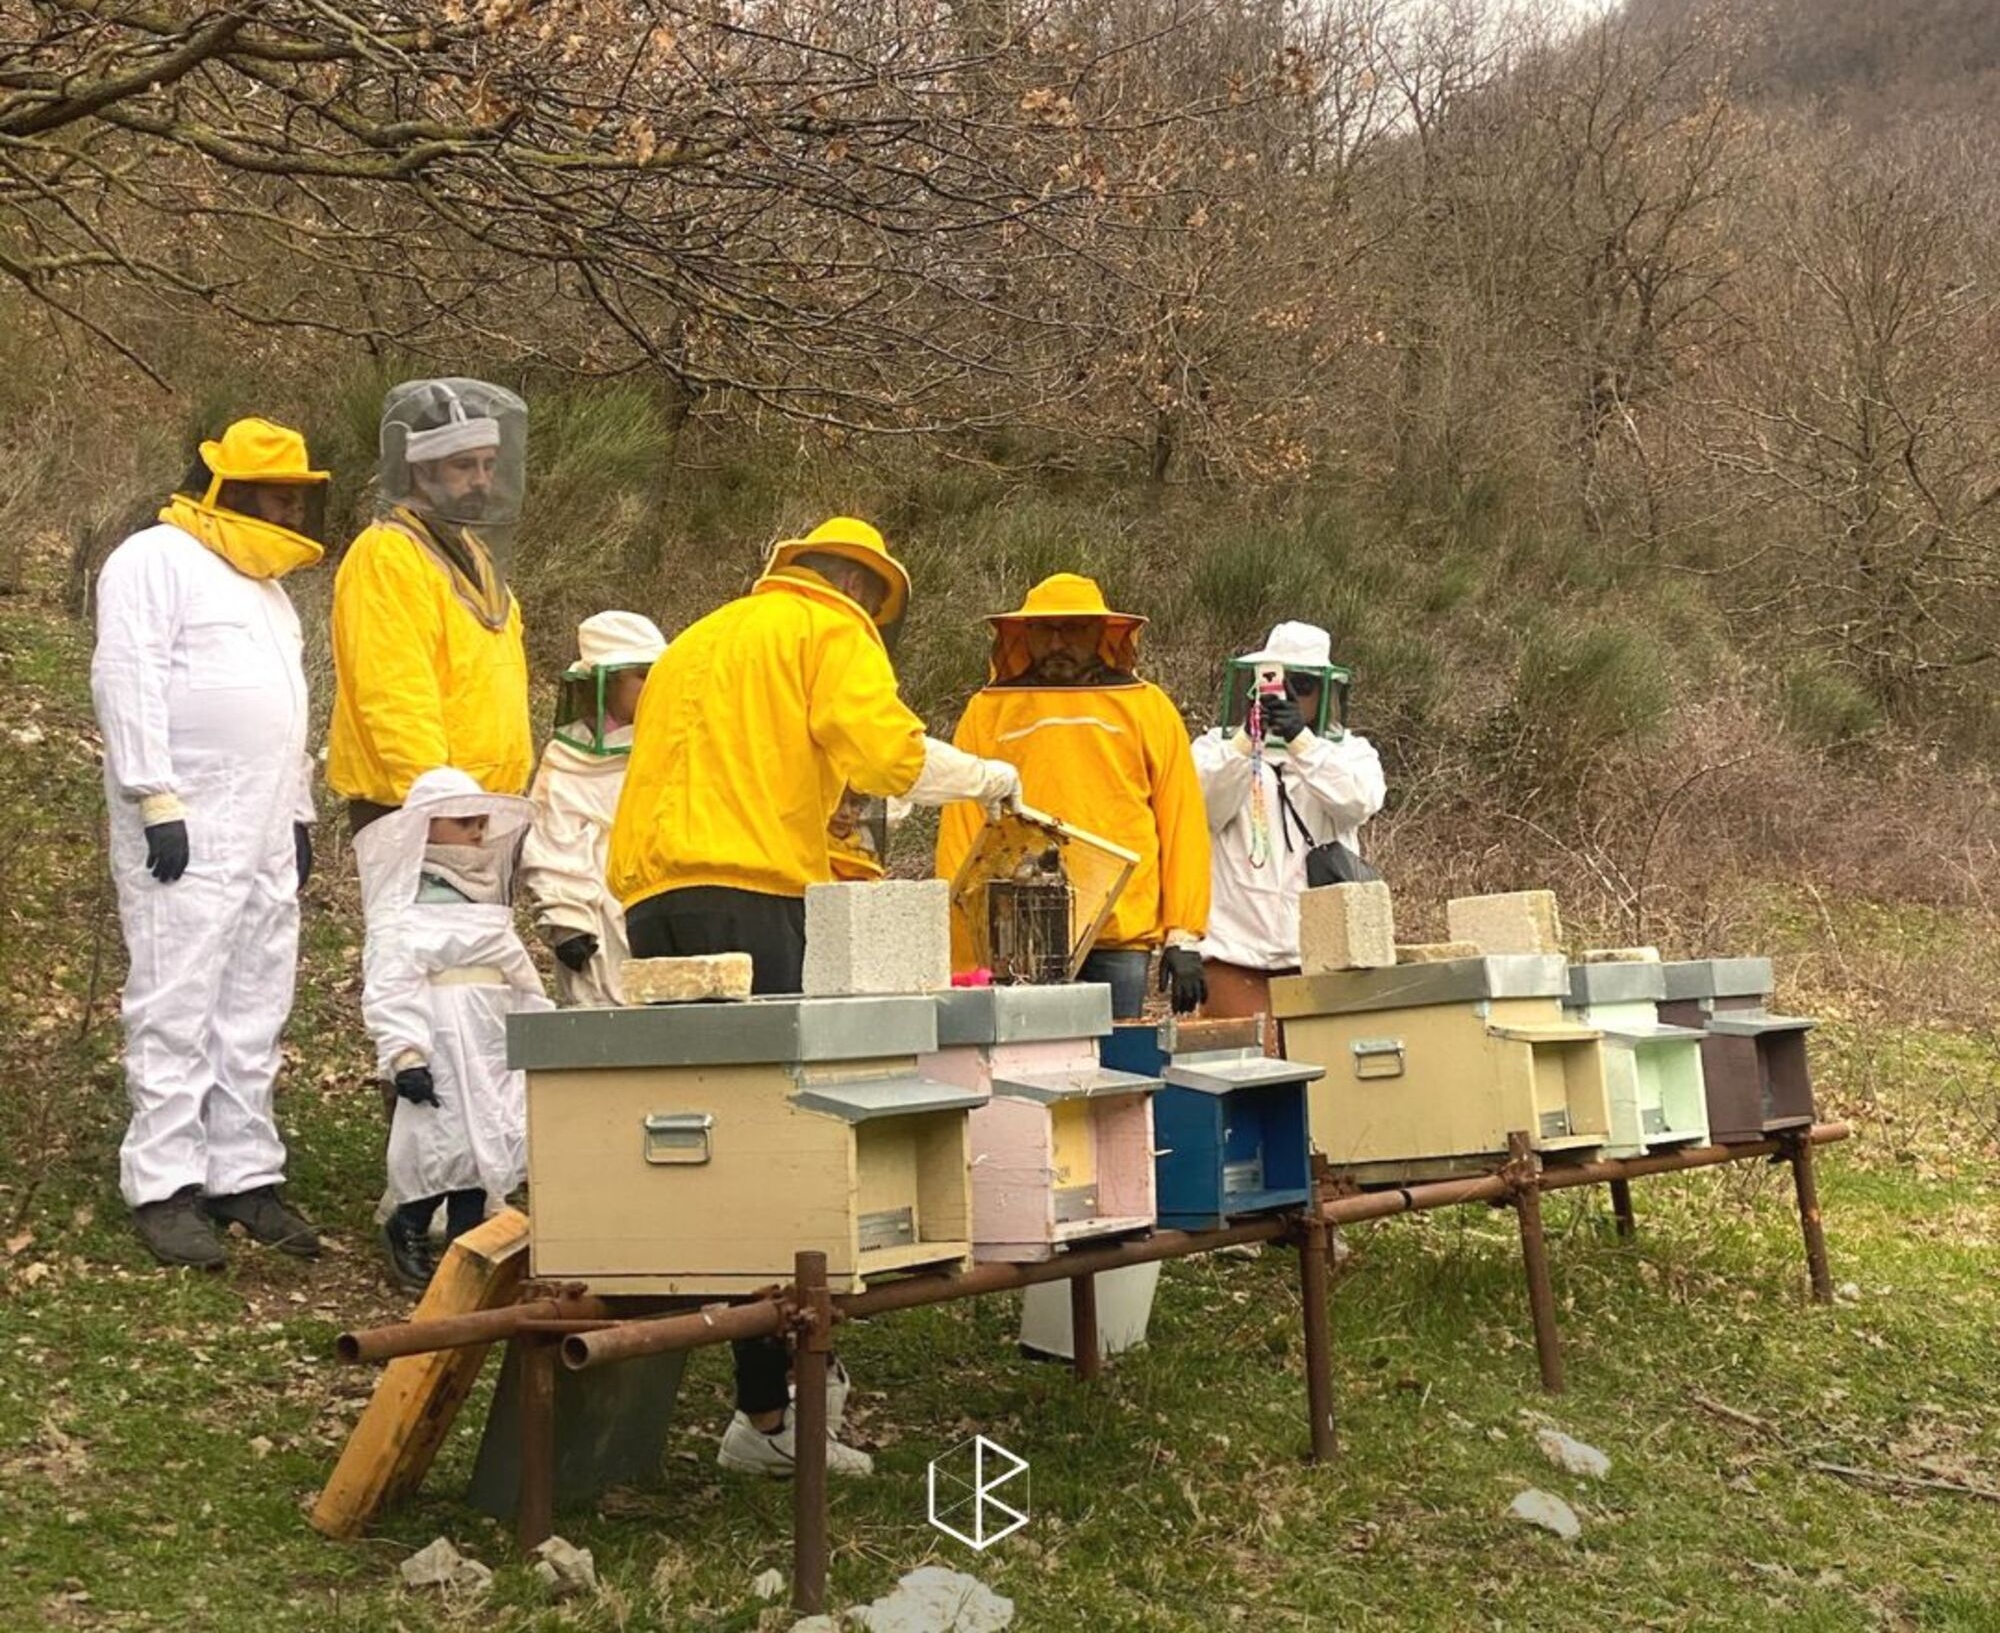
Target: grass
[{"x": 161, "y": 1434}]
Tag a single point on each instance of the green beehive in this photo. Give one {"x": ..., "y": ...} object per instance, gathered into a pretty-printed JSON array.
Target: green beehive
[
  {"x": 1430, "y": 1067},
  {"x": 1652, "y": 1071}
]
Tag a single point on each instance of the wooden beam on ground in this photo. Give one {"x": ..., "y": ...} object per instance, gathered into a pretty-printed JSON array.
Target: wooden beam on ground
[{"x": 398, "y": 1435}]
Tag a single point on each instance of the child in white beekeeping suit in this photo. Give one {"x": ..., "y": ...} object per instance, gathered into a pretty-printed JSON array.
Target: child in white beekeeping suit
[
  {"x": 575, "y": 797},
  {"x": 443, "y": 968}
]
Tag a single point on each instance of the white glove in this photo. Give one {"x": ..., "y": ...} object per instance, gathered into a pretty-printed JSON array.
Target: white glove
[{"x": 951, "y": 774}]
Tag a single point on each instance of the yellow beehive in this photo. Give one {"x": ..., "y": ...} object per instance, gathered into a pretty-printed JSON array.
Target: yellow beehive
[
  {"x": 1429, "y": 1067},
  {"x": 697, "y": 1149}
]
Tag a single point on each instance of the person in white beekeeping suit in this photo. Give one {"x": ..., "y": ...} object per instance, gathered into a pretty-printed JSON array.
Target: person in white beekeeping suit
[
  {"x": 575, "y": 796},
  {"x": 442, "y": 969},
  {"x": 201, "y": 698},
  {"x": 1301, "y": 781}
]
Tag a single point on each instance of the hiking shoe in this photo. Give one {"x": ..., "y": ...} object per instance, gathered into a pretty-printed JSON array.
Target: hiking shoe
[
  {"x": 177, "y": 1232},
  {"x": 838, "y": 1384},
  {"x": 747, "y": 1449},
  {"x": 263, "y": 1215},
  {"x": 410, "y": 1261}
]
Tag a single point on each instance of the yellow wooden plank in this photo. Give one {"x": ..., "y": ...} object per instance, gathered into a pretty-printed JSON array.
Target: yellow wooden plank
[{"x": 416, "y": 1399}]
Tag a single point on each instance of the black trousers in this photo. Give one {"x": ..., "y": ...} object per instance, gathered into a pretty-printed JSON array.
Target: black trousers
[
  {"x": 704, "y": 919},
  {"x": 692, "y": 923}
]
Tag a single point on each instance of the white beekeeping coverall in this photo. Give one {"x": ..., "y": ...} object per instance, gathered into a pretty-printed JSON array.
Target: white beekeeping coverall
[
  {"x": 1334, "y": 784},
  {"x": 201, "y": 697},
  {"x": 575, "y": 795},
  {"x": 439, "y": 981}
]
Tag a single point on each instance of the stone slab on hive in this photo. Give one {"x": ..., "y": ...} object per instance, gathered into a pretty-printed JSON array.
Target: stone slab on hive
[
  {"x": 1520, "y": 921},
  {"x": 686, "y": 980},
  {"x": 888, "y": 937},
  {"x": 1347, "y": 927},
  {"x": 1435, "y": 952}
]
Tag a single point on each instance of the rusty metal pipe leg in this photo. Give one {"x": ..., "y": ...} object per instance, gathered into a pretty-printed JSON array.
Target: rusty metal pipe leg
[
  {"x": 1800, "y": 1155},
  {"x": 1621, "y": 1208},
  {"x": 1524, "y": 1172},
  {"x": 535, "y": 1503},
  {"x": 809, "y": 1435},
  {"x": 1084, "y": 1341},
  {"x": 1319, "y": 1349}
]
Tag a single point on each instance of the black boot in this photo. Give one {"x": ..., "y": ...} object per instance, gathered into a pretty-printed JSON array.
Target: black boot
[
  {"x": 263, "y": 1214},
  {"x": 177, "y": 1232},
  {"x": 409, "y": 1245}
]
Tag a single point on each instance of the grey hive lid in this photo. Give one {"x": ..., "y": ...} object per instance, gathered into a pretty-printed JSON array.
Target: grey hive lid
[
  {"x": 1414, "y": 986},
  {"x": 1718, "y": 978},
  {"x": 1225, "y": 1071},
  {"x": 753, "y": 1031},
  {"x": 1623, "y": 983},
  {"x": 1084, "y": 1082},
  {"x": 981, "y": 1016}
]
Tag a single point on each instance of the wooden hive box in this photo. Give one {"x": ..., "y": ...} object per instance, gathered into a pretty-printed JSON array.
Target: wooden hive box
[
  {"x": 1652, "y": 1070},
  {"x": 1429, "y": 1067},
  {"x": 697, "y": 1148},
  {"x": 1230, "y": 1124},
  {"x": 1754, "y": 1065},
  {"x": 1062, "y": 1147}
]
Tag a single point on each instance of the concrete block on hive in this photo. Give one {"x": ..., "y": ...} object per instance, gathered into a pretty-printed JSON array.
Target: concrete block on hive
[
  {"x": 1622, "y": 955},
  {"x": 1520, "y": 921},
  {"x": 887, "y": 937},
  {"x": 1434, "y": 952},
  {"x": 1347, "y": 927},
  {"x": 685, "y": 980}
]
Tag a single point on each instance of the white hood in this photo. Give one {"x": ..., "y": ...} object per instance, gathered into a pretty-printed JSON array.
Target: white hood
[
  {"x": 1296, "y": 646},
  {"x": 608, "y": 639},
  {"x": 390, "y": 850}
]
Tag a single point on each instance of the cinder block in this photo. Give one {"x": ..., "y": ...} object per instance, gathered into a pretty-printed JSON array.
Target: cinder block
[
  {"x": 685, "y": 980},
  {"x": 1434, "y": 952},
  {"x": 1621, "y": 955},
  {"x": 890, "y": 936},
  {"x": 1346, "y": 927},
  {"x": 1522, "y": 921}
]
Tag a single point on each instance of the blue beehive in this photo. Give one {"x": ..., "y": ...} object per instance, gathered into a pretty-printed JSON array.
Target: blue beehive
[{"x": 1230, "y": 1127}]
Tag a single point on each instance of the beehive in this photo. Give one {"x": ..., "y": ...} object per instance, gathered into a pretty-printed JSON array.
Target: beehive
[
  {"x": 696, "y": 1149},
  {"x": 1230, "y": 1124},
  {"x": 1652, "y": 1071},
  {"x": 1062, "y": 1147},
  {"x": 1754, "y": 1066},
  {"x": 1429, "y": 1067}
]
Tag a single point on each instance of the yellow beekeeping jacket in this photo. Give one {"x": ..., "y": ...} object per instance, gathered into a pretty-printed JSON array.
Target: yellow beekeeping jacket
[
  {"x": 1115, "y": 761},
  {"x": 428, "y": 666},
  {"x": 751, "y": 726}
]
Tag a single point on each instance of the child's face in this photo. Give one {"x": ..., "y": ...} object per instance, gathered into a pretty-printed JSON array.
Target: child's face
[
  {"x": 458, "y": 830},
  {"x": 621, "y": 696}
]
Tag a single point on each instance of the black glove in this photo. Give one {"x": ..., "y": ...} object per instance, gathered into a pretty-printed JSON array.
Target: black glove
[
  {"x": 302, "y": 849},
  {"x": 1283, "y": 719},
  {"x": 573, "y": 952},
  {"x": 413, "y": 1083},
  {"x": 167, "y": 850},
  {"x": 1181, "y": 979}
]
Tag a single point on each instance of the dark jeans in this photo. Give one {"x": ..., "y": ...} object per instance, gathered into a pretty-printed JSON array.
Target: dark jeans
[
  {"x": 691, "y": 923},
  {"x": 462, "y": 1210},
  {"x": 704, "y": 919},
  {"x": 1124, "y": 971}
]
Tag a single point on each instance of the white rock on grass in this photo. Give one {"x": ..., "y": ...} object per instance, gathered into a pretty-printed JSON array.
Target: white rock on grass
[
  {"x": 1572, "y": 1456},
  {"x": 565, "y": 1569},
  {"x": 932, "y": 1599},
  {"x": 442, "y": 1566},
  {"x": 768, "y": 1585},
  {"x": 1548, "y": 1511},
  {"x": 816, "y": 1624}
]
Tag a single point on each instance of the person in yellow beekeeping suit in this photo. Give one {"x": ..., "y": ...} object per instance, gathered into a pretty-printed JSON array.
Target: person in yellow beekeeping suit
[
  {"x": 1106, "y": 751},
  {"x": 754, "y": 727},
  {"x": 429, "y": 668}
]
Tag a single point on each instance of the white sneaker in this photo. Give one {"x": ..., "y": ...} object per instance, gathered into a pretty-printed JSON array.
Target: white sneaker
[
  {"x": 746, "y": 1449},
  {"x": 837, "y": 1386}
]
